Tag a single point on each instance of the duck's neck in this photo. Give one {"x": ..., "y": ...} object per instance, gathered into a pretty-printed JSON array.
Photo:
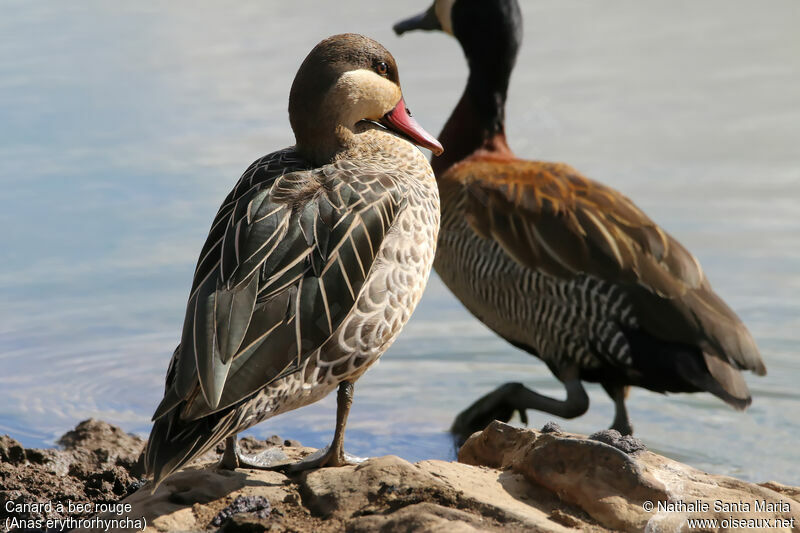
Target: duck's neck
[{"x": 477, "y": 124}]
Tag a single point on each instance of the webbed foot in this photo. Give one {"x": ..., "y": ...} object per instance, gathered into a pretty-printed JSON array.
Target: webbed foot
[
  {"x": 502, "y": 402},
  {"x": 624, "y": 427},
  {"x": 325, "y": 457},
  {"x": 499, "y": 405},
  {"x": 233, "y": 458}
]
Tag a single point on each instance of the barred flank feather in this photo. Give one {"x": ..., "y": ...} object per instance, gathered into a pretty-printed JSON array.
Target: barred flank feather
[
  {"x": 567, "y": 268},
  {"x": 562, "y": 266}
]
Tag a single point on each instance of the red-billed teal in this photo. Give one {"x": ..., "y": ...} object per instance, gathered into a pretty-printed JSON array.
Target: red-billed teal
[{"x": 313, "y": 264}]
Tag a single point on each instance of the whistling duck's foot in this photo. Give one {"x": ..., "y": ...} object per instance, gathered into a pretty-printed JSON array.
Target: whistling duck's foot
[
  {"x": 500, "y": 404},
  {"x": 269, "y": 459},
  {"x": 623, "y": 426},
  {"x": 322, "y": 458}
]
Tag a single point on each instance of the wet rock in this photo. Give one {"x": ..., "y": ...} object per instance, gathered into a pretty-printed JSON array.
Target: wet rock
[
  {"x": 255, "y": 505},
  {"x": 628, "y": 443},
  {"x": 246, "y": 523},
  {"x": 551, "y": 427},
  {"x": 496, "y": 448}
]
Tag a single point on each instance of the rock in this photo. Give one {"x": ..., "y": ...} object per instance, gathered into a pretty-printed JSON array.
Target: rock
[
  {"x": 627, "y": 443},
  {"x": 509, "y": 479},
  {"x": 258, "y": 506},
  {"x": 275, "y": 440},
  {"x": 616, "y": 489},
  {"x": 193, "y": 498},
  {"x": 11, "y": 451},
  {"x": 552, "y": 427},
  {"x": 247, "y": 523},
  {"x": 420, "y": 517},
  {"x": 93, "y": 467},
  {"x": 101, "y": 436},
  {"x": 390, "y": 480},
  {"x": 380, "y": 494}
]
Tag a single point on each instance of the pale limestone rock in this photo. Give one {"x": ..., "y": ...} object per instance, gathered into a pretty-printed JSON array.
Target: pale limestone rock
[
  {"x": 509, "y": 479},
  {"x": 614, "y": 487}
]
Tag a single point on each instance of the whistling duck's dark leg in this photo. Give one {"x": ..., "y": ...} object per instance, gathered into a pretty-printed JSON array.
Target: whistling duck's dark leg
[
  {"x": 501, "y": 403},
  {"x": 618, "y": 393},
  {"x": 233, "y": 457}
]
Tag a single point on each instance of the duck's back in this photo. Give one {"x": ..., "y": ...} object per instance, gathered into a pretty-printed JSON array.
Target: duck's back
[
  {"x": 559, "y": 320},
  {"x": 359, "y": 238},
  {"x": 573, "y": 272}
]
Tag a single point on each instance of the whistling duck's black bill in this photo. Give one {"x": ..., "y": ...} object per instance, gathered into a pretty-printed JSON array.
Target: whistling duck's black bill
[
  {"x": 400, "y": 120},
  {"x": 427, "y": 20}
]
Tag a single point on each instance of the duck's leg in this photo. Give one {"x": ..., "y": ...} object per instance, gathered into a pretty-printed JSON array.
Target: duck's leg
[
  {"x": 501, "y": 403},
  {"x": 333, "y": 455},
  {"x": 275, "y": 459},
  {"x": 233, "y": 457},
  {"x": 622, "y": 422},
  {"x": 230, "y": 457}
]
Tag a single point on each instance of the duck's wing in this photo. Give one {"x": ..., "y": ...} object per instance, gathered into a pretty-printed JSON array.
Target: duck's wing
[
  {"x": 551, "y": 219},
  {"x": 284, "y": 263}
]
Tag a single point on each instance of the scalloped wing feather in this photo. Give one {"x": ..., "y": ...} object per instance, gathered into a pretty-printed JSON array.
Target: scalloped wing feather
[{"x": 289, "y": 258}]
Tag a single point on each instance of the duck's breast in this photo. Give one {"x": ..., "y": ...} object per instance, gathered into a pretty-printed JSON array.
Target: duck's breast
[
  {"x": 400, "y": 272},
  {"x": 391, "y": 291}
]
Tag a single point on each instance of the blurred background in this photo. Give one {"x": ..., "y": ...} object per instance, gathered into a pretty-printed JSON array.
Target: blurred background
[{"x": 123, "y": 126}]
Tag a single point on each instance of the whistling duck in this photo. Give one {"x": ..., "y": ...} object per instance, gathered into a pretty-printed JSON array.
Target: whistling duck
[
  {"x": 312, "y": 266},
  {"x": 561, "y": 266}
]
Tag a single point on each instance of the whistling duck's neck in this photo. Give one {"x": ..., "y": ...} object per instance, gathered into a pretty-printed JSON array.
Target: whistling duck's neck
[{"x": 477, "y": 124}]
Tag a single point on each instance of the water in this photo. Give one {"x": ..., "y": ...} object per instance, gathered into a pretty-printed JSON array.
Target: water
[{"x": 122, "y": 127}]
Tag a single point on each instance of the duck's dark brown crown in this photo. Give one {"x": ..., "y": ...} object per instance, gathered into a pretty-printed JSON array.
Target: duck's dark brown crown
[{"x": 328, "y": 60}]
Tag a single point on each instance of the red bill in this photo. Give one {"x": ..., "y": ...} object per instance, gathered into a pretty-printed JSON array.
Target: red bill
[{"x": 400, "y": 120}]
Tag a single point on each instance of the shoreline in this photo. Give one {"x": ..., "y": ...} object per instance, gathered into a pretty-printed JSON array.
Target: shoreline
[{"x": 506, "y": 478}]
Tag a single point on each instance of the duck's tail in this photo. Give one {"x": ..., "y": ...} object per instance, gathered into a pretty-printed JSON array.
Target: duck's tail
[
  {"x": 174, "y": 442},
  {"x": 665, "y": 366}
]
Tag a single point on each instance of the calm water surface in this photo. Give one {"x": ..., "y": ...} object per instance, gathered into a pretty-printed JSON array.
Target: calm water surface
[{"x": 122, "y": 127}]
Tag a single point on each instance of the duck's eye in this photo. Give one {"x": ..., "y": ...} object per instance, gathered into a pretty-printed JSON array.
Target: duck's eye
[{"x": 382, "y": 68}]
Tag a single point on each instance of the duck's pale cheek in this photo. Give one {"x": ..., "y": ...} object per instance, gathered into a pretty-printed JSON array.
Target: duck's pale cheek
[{"x": 362, "y": 94}]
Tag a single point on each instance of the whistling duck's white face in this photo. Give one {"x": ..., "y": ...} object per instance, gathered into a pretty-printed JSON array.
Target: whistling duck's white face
[{"x": 444, "y": 10}]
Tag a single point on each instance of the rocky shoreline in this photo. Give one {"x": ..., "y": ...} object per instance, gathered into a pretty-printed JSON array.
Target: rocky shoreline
[{"x": 507, "y": 479}]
